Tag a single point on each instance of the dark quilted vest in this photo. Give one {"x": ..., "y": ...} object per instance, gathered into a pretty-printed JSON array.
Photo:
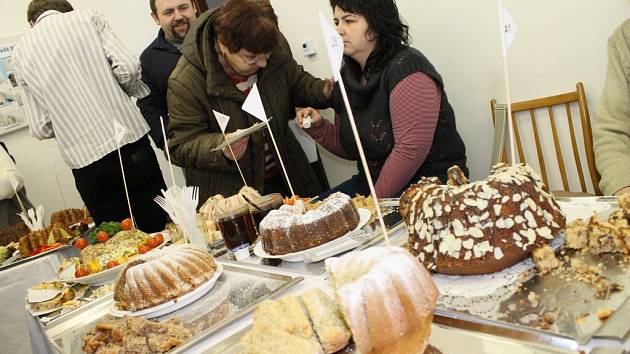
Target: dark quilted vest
[{"x": 370, "y": 105}]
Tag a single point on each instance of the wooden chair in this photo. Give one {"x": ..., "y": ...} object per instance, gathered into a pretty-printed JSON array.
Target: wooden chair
[{"x": 548, "y": 104}]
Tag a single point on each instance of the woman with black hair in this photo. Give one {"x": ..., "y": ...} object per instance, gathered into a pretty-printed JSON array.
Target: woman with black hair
[{"x": 406, "y": 124}]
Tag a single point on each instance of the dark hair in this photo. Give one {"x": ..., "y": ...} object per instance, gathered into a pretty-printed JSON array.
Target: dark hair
[
  {"x": 37, "y": 7},
  {"x": 384, "y": 23},
  {"x": 247, "y": 24},
  {"x": 153, "y": 8}
]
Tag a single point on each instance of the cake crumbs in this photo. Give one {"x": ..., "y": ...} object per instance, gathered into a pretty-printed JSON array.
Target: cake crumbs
[{"x": 604, "y": 314}]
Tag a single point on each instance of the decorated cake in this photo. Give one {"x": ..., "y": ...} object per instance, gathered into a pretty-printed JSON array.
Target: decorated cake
[
  {"x": 163, "y": 276},
  {"x": 479, "y": 227},
  {"x": 293, "y": 229}
]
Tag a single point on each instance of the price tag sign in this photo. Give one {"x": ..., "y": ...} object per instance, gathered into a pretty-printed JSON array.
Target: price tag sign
[
  {"x": 222, "y": 119},
  {"x": 119, "y": 131},
  {"x": 334, "y": 46},
  {"x": 253, "y": 104}
]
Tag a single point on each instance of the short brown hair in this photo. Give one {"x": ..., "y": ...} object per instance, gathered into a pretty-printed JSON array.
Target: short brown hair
[
  {"x": 247, "y": 24},
  {"x": 37, "y": 7}
]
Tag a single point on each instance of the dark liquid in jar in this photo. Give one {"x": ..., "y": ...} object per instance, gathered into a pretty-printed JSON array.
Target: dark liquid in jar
[
  {"x": 258, "y": 216},
  {"x": 237, "y": 232}
]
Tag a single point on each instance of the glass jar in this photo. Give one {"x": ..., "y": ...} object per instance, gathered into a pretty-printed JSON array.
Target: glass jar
[
  {"x": 238, "y": 230},
  {"x": 265, "y": 204}
]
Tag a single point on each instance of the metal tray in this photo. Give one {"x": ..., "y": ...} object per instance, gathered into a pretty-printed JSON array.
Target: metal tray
[
  {"x": 507, "y": 312},
  {"x": 392, "y": 218},
  {"x": 235, "y": 295},
  {"x": 443, "y": 339},
  {"x": 7, "y": 265}
]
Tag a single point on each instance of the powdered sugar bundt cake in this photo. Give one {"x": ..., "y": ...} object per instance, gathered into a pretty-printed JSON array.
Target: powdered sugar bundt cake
[
  {"x": 386, "y": 297},
  {"x": 292, "y": 229},
  {"x": 163, "y": 276},
  {"x": 479, "y": 227}
]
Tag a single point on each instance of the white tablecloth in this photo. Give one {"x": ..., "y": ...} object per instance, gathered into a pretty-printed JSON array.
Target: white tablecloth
[{"x": 14, "y": 328}]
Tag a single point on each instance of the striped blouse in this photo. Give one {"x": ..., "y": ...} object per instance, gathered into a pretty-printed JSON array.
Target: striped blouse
[{"x": 76, "y": 78}]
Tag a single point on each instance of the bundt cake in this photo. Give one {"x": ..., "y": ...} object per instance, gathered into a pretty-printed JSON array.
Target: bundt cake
[
  {"x": 162, "y": 276},
  {"x": 386, "y": 297},
  {"x": 292, "y": 229},
  {"x": 480, "y": 227}
]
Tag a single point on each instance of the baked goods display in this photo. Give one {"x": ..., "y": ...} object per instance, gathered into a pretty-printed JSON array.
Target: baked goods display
[
  {"x": 135, "y": 335},
  {"x": 310, "y": 323},
  {"x": 68, "y": 217},
  {"x": 292, "y": 229},
  {"x": 599, "y": 236},
  {"x": 363, "y": 282},
  {"x": 163, "y": 276},
  {"x": 480, "y": 227},
  {"x": 39, "y": 241},
  {"x": 54, "y": 295},
  {"x": 13, "y": 233}
]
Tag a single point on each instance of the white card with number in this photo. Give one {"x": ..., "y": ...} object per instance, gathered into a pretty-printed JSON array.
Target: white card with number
[{"x": 222, "y": 119}]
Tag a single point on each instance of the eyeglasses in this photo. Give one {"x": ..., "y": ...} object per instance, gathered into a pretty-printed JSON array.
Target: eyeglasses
[{"x": 251, "y": 59}]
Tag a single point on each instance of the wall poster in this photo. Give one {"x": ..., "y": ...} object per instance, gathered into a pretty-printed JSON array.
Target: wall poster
[{"x": 11, "y": 112}]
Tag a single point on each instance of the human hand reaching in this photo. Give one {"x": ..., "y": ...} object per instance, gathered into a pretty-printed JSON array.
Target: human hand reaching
[
  {"x": 238, "y": 147},
  {"x": 302, "y": 121}
]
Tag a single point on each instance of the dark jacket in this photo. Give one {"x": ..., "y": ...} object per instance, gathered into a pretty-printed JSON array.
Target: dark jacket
[
  {"x": 157, "y": 61},
  {"x": 199, "y": 85}
]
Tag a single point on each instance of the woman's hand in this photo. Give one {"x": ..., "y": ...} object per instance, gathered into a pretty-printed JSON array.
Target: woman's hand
[
  {"x": 302, "y": 115},
  {"x": 329, "y": 84},
  {"x": 238, "y": 147}
]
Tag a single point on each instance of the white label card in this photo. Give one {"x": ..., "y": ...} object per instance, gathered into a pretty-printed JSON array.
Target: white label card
[
  {"x": 222, "y": 119},
  {"x": 334, "y": 46},
  {"x": 509, "y": 28},
  {"x": 119, "y": 131},
  {"x": 14, "y": 183},
  {"x": 253, "y": 104}
]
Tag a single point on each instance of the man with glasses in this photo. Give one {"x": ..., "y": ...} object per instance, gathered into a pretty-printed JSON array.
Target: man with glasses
[
  {"x": 175, "y": 17},
  {"x": 227, "y": 51}
]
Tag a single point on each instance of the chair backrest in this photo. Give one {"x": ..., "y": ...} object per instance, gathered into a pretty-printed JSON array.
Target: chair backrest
[{"x": 520, "y": 110}]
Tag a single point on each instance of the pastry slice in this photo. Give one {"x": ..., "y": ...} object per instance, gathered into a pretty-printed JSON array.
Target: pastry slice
[
  {"x": 281, "y": 326},
  {"x": 326, "y": 320}
]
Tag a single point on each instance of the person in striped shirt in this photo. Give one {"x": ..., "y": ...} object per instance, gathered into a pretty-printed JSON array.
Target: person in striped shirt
[{"x": 77, "y": 80}]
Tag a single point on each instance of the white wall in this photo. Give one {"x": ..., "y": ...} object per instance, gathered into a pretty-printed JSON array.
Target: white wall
[{"x": 560, "y": 42}]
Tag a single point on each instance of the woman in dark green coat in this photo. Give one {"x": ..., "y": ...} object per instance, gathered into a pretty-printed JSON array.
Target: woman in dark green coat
[{"x": 223, "y": 55}]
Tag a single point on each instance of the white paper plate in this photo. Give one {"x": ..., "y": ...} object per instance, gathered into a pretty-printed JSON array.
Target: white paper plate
[
  {"x": 170, "y": 306},
  {"x": 364, "y": 217},
  {"x": 241, "y": 134},
  {"x": 43, "y": 312},
  {"x": 37, "y": 295},
  {"x": 105, "y": 276},
  {"x": 583, "y": 208}
]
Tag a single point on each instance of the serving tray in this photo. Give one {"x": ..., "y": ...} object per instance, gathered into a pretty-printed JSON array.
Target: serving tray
[{"x": 235, "y": 295}]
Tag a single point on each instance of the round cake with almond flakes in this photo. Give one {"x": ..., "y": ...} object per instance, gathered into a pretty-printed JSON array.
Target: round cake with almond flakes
[{"x": 481, "y": 227}]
